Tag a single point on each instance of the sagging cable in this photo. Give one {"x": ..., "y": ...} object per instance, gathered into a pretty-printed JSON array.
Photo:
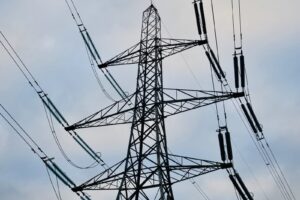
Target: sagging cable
[
  {"x": 96, "y": 57},
  {"x": 274, "y": 170},
  {"x": 44, "y": 97},
  {"x": 89, "y": 43},
  {"x": 87, "y": 148},
  {"x": 60, "y": 119},
  {"x": 36, "y": 149},
  {"x": 92, "y": 50}
]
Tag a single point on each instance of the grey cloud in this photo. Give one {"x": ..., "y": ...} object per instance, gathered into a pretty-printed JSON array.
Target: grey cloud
[{"x": 46, "y": 38}]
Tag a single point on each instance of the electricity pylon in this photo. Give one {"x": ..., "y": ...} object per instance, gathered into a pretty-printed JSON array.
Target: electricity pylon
[{"x": 149, "y": 170}]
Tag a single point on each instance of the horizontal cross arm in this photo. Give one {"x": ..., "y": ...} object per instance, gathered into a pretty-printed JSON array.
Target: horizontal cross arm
[
  {"x": 175, "y": 101},
  {"x": 183, "y": 168},
  {"x": 120, "y": 112},
  {"x": 170, "y": 47},
  {"x": 129, "y": 56},
  {"x": 181, "y": 100},
  {"x": 166, "y": 47}
]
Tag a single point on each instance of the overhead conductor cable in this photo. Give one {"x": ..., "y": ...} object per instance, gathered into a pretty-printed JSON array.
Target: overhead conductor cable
[
  {"x": 217, "y": 63},
  {"x": 93, "y": 51},
  {"x": 213, "y": 65},
  {"x": 254, "y": 117},
  {"x": 237, "y": 187},
  {"x": 278, "y": 177},
  {"x": 50, "y": 164},
  {"x": 44, "y": 98},
  {"x": 243, "y": 186},
  {"x": 241, "y": 74},
  {"x": 249, "y": 118}
]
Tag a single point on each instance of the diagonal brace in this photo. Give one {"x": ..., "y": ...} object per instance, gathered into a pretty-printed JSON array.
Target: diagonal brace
[
  {"x": 120, "y": 112},
  {"x": 181, "y": 169},
  {"x": 175, "y": 101},
  {"x": 167, "y": 47},
  {"x": 181, "y": 100}
]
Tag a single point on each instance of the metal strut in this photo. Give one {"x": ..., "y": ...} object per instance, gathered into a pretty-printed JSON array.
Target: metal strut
[{"x": 36, "y": 149}]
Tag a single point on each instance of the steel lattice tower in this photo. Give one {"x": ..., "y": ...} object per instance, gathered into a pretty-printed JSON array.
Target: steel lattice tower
[
  {"x": 147, "y": 150},
  {"x": 149, "y": 170}
]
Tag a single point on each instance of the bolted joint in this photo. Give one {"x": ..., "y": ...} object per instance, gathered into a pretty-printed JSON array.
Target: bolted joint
[
  {"x": 201, "y": 42},
  {"x": 226, "y": 165},
  {"x": 70, "y": 128},
  {"x": 103, "y": 65},
  {"x": 238, "y": 94},
  {"x": 77, "y": 189}
]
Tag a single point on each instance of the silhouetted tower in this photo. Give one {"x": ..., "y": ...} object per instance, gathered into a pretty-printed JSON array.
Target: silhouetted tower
[
  {"x": 147, "y": 150},
  {"x": 149, "y": 170}
]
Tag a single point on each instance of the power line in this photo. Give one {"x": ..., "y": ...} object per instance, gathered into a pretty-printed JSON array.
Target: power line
[
  {"x": 193, "y": 181},
  {"x": 97, "y": 77},
  {"x": 93, "y": 52},
  {"x": 265, "y": 155},
  {"x": 56, "y": 191},
  {"x": 277, "y": 176},
  {"x": 67, "y": 158},
  {"x": 47, "y": 103},
  {"x": 36, "y": 149},
  {"x": 260, "y": 141}
]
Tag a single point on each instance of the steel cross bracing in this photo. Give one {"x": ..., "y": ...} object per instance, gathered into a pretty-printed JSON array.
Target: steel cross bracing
[
  {"x": 149, "y": 171},
  {"x": 175, "y": 101},
  {"x": 166, "y": 46},
  {"x": 181, "y": 168}
]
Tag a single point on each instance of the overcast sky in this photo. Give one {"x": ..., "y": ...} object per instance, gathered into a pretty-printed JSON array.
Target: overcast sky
[{"x": 45, "y": 36}]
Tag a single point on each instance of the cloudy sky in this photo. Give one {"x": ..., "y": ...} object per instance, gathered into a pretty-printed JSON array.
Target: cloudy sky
[{"x": 45, "y": 36}]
